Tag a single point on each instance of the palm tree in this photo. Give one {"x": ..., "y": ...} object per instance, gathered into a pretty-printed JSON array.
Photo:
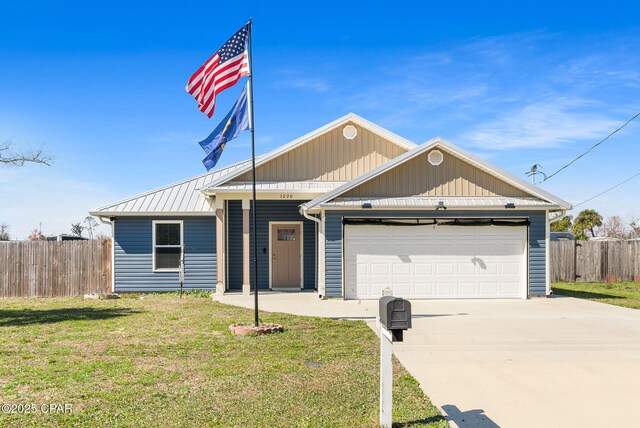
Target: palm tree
[{"x": 587, "y": 220}]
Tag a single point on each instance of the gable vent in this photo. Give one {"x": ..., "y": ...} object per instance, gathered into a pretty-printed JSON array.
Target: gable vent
[
  {"x": 435, "y": 157},
  {"x": 350, "y": 132}
]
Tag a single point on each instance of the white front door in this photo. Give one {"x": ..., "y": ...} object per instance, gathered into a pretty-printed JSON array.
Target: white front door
[{"x": 435, "y": 261}]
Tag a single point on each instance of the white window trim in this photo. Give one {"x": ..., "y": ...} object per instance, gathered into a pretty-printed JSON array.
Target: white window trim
[{"x": 153, "y": 243}]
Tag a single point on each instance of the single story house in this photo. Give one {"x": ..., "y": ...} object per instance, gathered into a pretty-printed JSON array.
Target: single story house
[{"x": 348, "y": 210}]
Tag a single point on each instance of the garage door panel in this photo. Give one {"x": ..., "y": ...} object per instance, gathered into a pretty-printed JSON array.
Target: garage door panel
[
  {"x": 467, "y": 289},
  {"x": 376, "y": 288},
  {"x": 446, "y": 249},
  {"x": 488, "y": 268},
  {"x": 378, "y": 268},
  {"x": 509, "y": 287},
  {"x": 445, "y": 289},
  {"x": 402, "y": 288},
  {"x": 424, "y": 288},
  {"x": 510, "y": 268},
  {"x": 401, "y": 269},
  {"x": 488, "y": 288},
  {"x": 444, "y": 269},
  {"x": 467, "y": 268},
  {"x": 435, "y": 262},
  {"x": 423, "y": 268}
]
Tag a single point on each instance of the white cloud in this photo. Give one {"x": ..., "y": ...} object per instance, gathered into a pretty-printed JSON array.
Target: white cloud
[
  {"x": 299, "y": 80},
  {"x": 551, "y": 122}
]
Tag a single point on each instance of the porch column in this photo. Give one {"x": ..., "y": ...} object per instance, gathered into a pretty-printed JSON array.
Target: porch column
[
  {"x": 246, "y": 273},
  {"x": 220, "y": 287}
]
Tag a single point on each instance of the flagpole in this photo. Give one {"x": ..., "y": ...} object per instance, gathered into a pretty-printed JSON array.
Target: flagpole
[{"x": 253, "y": 169}]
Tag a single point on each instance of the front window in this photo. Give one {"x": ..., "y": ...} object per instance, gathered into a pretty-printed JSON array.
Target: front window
[{"x": 167, "y": 245}]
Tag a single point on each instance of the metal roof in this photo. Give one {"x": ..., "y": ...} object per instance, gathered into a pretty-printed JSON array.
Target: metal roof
[
  {"x": 182, "y": 198},
  {"x": 452, "y": 149},
  {"x": 280, "y": 186},
  {"x": 466, "y": 202},
  {"x": 351, "y": 117}
]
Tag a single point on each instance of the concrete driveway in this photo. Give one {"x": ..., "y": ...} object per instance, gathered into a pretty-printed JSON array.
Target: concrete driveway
[{"x": 558, "y": 362}]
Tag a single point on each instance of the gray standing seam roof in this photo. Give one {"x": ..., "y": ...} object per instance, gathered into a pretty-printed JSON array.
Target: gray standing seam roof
[{"x": 183, "y": 197}]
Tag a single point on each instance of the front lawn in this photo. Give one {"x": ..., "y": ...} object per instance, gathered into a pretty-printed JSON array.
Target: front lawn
[
  {"x": 170, "y": 362},
  {"x": 625, "y": 294}
]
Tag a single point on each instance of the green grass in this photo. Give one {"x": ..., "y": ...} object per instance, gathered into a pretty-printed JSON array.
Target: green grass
[
  {"x": 625, "y": 294},
  {"x": 170, "y": 362}
]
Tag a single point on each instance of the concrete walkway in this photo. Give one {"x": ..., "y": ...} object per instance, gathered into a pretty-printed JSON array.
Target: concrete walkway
[{"x": 558, "y": 362}]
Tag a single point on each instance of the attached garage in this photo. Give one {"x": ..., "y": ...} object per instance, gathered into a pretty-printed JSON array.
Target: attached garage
[
  {"x": 436, "y": 260},
  {"x": 435, "y": 223}
]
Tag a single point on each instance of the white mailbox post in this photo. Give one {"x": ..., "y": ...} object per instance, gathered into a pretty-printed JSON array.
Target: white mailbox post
[
  {"x": 386, "y": 377},
  {"x": 394, "y": 317}
]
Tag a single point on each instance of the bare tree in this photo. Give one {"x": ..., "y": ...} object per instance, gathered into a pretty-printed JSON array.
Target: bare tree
[
  {"x": 90, "y": 225},
  {"x": 77, "y": 229},
  {"x": 634, "y": 224},
  {"x": 19, "y": 158},
  {"x": 614, "y": 227}
]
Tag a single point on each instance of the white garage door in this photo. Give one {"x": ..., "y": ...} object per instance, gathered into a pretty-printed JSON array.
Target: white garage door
[{"x": 435, "y": 261}]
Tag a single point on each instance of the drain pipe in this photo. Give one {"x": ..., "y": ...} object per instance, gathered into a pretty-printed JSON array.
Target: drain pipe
[
  {"x": 109, "y": 222},
  {"x": 319, "y": 249},
  {"x": 558, "y": 217}
]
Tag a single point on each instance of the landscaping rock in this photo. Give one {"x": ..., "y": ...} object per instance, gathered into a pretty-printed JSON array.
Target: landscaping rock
[
  {"x": 267, "y": 328},
  {"x": 101, "y": 296}
]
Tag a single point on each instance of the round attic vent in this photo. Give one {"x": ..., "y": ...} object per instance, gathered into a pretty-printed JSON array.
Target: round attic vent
[
  {"x": 350, "y": 132},
  {"x": 435, "y": 157}
]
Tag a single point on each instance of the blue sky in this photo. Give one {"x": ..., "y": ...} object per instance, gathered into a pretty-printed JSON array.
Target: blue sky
[{"x": 100, "y": 86}]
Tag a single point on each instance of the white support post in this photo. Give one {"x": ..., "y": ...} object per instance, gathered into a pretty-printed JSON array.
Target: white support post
[
  {"x": 246, "y": 271},
  {"x": 220, "y": 250},
  {"x": 386, "y": 377}
]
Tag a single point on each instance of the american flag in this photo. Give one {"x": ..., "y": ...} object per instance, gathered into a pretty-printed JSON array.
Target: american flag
[{"x": 221, "y": 71}]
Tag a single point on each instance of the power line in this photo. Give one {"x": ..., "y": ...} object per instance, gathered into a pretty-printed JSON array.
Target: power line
[
  {"x": 609, "y": 189},
  {"x": 593, "y": 147}
]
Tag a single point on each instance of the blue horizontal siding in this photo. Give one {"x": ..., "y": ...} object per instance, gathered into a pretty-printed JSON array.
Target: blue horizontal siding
[
  {"x": 274, "y": 211},
  {"x": 537, "y": 254},
  {"x": 234, "y": 245},
  {"x": 133, "y": 258},
  {"x": 334, "y": 236}
]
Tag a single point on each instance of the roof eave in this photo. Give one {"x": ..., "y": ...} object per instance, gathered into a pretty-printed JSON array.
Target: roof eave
[
  {"x": 152, "y": 214},
  {"x": 454, "y": 150}
]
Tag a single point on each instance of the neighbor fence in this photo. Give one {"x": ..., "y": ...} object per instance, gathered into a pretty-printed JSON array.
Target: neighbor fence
[
  {"x": 595, "y": 261},
  {"x": 52, "y": 269}
]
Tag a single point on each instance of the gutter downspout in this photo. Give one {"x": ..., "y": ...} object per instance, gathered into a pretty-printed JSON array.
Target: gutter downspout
[
  {"x": 319, "y": 248},
  {"x": 558, "y": 217}
]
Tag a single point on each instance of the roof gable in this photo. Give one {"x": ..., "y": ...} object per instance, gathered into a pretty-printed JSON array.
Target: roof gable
[
  {"x": 418, "y": 177},
  {"x": 411, "y": 175},
  {"x": 325, "y": 155}
]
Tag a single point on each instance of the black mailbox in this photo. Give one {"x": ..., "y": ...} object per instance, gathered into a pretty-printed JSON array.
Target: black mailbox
[{"x": 395, "y": 315}]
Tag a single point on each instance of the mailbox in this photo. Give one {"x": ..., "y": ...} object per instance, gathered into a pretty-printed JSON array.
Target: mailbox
[{"x": 395, "y": 315}]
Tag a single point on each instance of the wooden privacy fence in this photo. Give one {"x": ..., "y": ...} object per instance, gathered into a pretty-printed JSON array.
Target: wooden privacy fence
[
  {"x": 53, "y": 269},
  {"x": 595, "y": 261}
]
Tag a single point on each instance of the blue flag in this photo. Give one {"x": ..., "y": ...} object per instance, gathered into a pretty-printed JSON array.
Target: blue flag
[{"x": 236, "y": 121}]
